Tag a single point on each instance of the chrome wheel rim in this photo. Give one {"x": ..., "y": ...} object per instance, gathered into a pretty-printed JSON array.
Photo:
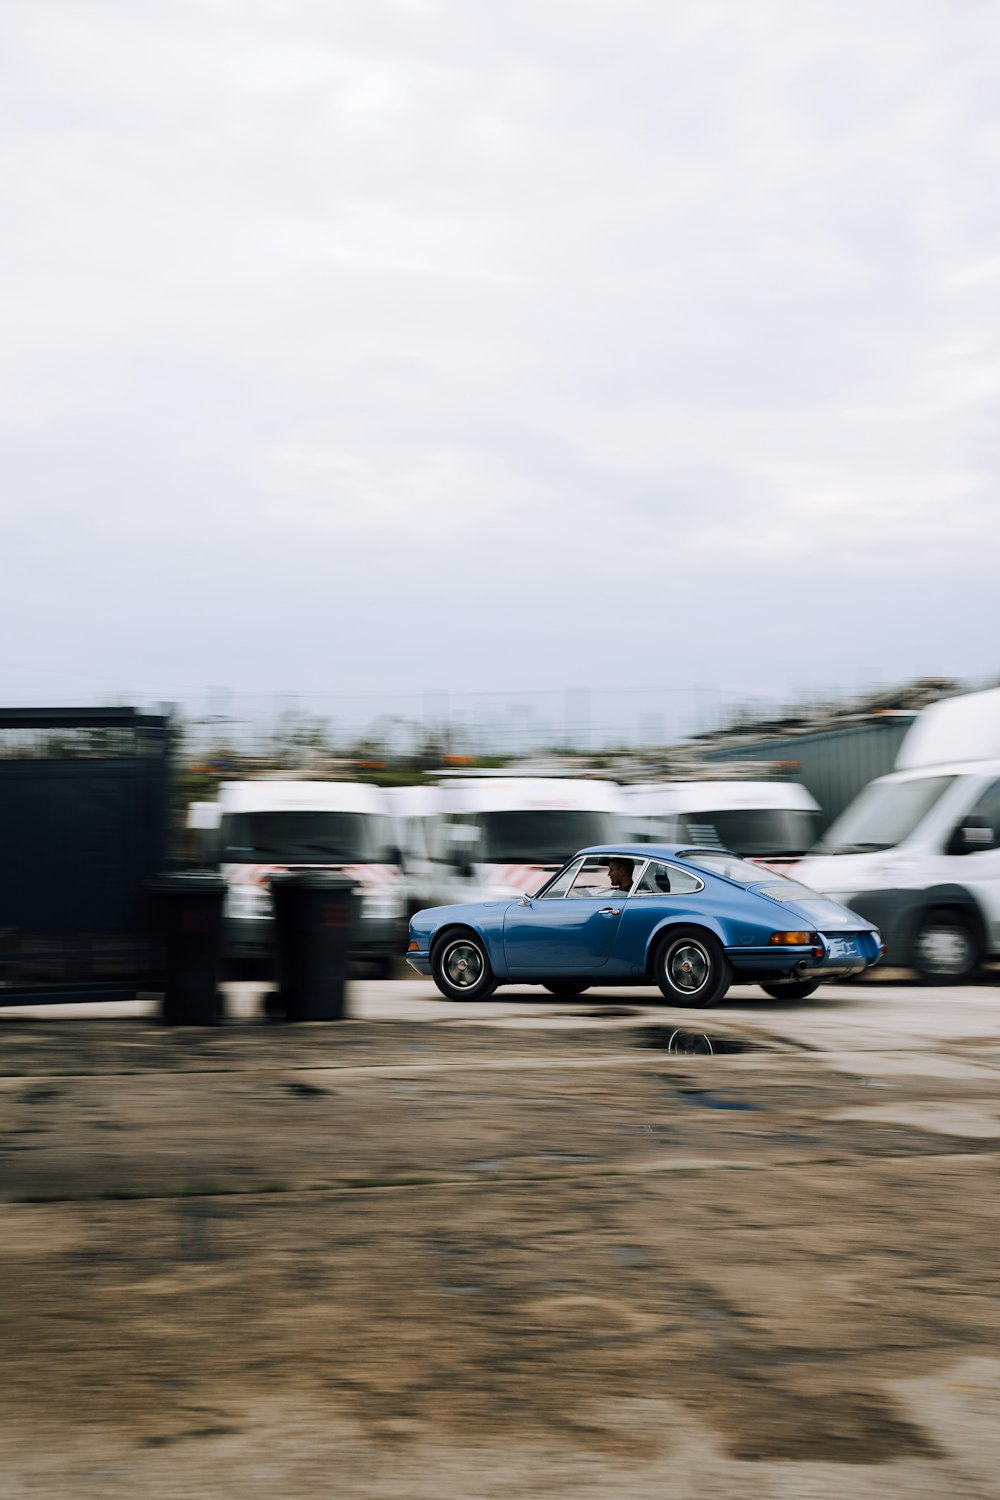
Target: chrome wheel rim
[
  {"x": 463, "y": 964},
  {"x": 944, "y": 950},
  {"x": 688, "y": 966}
]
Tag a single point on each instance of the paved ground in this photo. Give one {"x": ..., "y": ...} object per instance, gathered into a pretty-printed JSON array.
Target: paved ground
[{"x": 520, "y": 1249}]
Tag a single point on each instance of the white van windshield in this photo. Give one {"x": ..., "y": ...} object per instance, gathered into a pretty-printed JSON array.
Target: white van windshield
[
  {"x": 762, "y": 832},
  {"x": 305, "y": 838},
  {"x": 542, "y": 835},
  {"x": 883, "y": 815}
]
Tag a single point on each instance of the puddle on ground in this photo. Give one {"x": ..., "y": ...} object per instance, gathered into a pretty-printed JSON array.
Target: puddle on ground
[
  {"x": 712, "y": 1101},
  {"x": 605, "y": 1010},
  {"x": 692, "y": 1043}
]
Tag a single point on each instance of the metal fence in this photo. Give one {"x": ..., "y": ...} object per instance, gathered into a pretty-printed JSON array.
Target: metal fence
[{"x": 84, "y": 811}]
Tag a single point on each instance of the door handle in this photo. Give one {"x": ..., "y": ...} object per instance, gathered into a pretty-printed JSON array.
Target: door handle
[{"x": 610, "y": 911}]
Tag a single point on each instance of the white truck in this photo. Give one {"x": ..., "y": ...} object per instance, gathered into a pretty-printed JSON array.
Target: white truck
[
  {"x": 502, "y": 835},
  {"x": 414, "y": 810},
  {"x": 267, "y": 826},
  {"x": 770, "y": 821},
  {"x": 918, "y": 851}
]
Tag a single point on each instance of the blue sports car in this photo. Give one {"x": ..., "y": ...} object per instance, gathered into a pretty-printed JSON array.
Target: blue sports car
[{"x": 689, "y": 920}]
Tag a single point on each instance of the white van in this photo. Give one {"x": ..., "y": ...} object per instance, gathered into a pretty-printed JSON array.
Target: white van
[
  {"x": 267, "y": 826},
  {"x": 773, "y": 822},
  {"x": 414, "y": 810},
  {"x": 918, "y": 852},
  {"x": 499, "y": 836}
]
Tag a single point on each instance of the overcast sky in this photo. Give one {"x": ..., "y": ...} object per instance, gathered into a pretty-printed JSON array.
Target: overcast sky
[{"x": 412, "y": 344}]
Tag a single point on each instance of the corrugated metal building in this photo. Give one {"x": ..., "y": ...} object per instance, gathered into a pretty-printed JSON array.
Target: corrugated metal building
[{"x": 833, "y": 764}]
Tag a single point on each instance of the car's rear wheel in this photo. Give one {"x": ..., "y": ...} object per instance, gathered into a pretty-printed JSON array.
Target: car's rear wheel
[
  {"x": 945, "y": 949},
  {"x": 691, "y": 968},
  {"x": 791, "y": 989},
  {"x": 565, "y": 988},
  {"x": 461, "y": 967}
]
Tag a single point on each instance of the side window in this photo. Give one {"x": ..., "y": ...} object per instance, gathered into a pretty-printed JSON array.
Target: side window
[
  {"x": 667, "y": 880},
  {"x": 604, "y": 875},
  {"x": 979, "y": 828},
  {"x": 562, "y": 882}
]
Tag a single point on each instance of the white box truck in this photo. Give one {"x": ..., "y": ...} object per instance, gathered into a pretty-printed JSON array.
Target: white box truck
[{"x": 918, "y": 851}]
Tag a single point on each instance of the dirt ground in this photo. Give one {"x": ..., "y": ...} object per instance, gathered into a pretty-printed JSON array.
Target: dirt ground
[{"x": 444, "y": 1258}]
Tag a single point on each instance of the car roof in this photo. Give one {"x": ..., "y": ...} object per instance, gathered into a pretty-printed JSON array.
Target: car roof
[{"x": 653, "y": 851}]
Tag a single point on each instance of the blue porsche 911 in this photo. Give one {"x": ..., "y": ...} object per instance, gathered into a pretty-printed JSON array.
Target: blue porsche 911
[{"x": 688, "y": 920}]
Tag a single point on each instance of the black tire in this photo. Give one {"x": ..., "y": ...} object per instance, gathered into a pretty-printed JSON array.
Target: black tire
[
  {"x": 689, "y": 956},
  {"x": 946, "y": 948},
  {"x": 461, "y": 966},
  {"x": 791, "y": 989},
  {"x": 565, "y": 988}
]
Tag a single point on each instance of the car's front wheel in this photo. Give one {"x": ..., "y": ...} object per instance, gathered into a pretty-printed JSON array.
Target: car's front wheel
[
  {"x": 565, "y": 988},
  {"x": 461, "y": 967},
  {"x": 691, "y": 968},
  {"x": 791, "y": 989}
]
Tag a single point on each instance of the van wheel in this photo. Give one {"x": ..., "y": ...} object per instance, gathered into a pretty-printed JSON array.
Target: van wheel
[
  {"x": 461, "y": 967},
  {"x": 691, "y": 968},
  {"x": 945, "y": 949},
  {"x": 564, "y": 987},
  {"x": 792, "y": 989}
]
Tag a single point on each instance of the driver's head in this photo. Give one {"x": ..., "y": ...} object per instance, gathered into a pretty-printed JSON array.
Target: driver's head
[{"x": 620, "y": 873}]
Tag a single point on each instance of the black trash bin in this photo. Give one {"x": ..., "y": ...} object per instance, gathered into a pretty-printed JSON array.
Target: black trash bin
[
  {"x": 314, "y": 916},
  {"x": 189, "y": 913}
]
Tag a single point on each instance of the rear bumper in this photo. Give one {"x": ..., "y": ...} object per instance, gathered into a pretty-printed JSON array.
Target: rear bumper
[{"x": 801, "y": 963}]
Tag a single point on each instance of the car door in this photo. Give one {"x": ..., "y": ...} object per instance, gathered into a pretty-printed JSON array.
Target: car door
[
  {"x": 662, "y": 892},
  {"x": 571, "y": 929},
  {"x": 973, "y": 860}
]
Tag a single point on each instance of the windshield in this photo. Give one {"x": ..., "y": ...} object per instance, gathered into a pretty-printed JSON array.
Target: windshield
[
  {"x": 734, "y": 868},
  {"x": 544, "y": 836},
  {"x": 883, "y": 815},
  {"x": 305, "y": 838},
  {"x": 762, "y": 832}
]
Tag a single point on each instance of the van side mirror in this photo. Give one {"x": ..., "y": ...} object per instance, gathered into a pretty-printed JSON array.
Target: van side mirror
[{"x": 972, "y": 836}]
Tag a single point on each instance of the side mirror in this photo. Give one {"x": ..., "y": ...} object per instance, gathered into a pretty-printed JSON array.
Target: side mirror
[{"x": 972, "y": 836}]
